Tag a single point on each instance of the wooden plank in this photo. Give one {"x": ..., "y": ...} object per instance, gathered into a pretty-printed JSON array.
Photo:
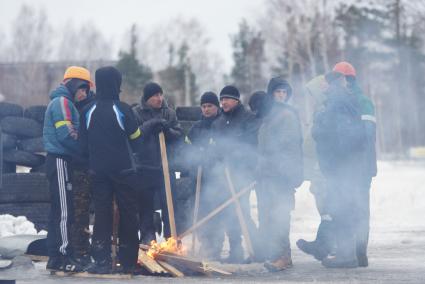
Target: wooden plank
[
  {"x": 168, "y": 194},
  {"x": 209, "y": 267},
  {"x": 90, "y": 275},
  {"x": 150, "y": 264},
  {"x": 217, "y": 210},
  {"x": 240, "y": 215},
  {"x": 182, "y": 261},
  {"x": 171, "y": 269},
  {"x": 196, "y": 209}
]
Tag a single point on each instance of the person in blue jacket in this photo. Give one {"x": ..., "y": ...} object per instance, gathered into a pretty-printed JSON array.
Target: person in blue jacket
[{"x": 60, "y": 138}]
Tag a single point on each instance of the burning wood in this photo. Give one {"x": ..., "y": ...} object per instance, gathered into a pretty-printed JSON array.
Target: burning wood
[
  {"x": 169, "y": 258},
  {"x": 171, "y": 245}
]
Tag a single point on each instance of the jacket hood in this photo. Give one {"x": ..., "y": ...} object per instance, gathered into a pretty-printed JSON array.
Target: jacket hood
[
  {"x": 108, "y": 83},
  {"x": 279, "y": 83},
  {"x": 61, "y": 91}
]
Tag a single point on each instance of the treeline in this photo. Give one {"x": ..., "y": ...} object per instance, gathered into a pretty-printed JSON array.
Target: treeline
[{"x": 383, "y": 39}]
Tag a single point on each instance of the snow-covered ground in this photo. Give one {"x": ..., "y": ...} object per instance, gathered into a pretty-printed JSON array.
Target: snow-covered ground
[{"x": 397, "y": 239}]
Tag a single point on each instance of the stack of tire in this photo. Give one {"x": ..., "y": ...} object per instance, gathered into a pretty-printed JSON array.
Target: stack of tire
[
  {"x": 23, "y": 194},
  {"x": 184, "y": 192}
]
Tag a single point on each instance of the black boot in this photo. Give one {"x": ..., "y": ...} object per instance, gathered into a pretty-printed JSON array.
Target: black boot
[
  {"x": 345, "y": 255},
  {"x": 55, "y": 263},
  {"x": 65, "y": 263},
  {"x": 312, "y": 248}
]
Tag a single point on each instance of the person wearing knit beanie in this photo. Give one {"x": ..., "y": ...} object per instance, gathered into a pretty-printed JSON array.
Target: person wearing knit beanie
[
  {"x": 229, "y": 98},
  {"x": 150, "y": 90},
  {"x": 210, "y": 97}
]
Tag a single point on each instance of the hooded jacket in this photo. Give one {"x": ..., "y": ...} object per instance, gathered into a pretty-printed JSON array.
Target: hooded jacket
[
  {"x": 61, "y": 122},
  {"x": 108, "y": 126},
  {"x": 280, "y": 146}
]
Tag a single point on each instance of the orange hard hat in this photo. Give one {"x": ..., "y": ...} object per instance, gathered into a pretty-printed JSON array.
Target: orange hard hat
[
  {"x": 345, "y": 68},
  {"x": 78, "y": 73}
]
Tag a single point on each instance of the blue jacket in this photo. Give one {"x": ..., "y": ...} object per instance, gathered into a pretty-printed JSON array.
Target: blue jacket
[
  {"x": 61, "y": 122},
  {"x": 339, "y": 134}
]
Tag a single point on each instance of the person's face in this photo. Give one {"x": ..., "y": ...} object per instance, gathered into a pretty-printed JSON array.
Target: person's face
[
  {"x": 228, "y": 104},
  {"x": 280, "y": 95},
  {"x": 209, "y": 110},
  {"x": 155, "y": 101},
  {"x": 81, "y": 93}
]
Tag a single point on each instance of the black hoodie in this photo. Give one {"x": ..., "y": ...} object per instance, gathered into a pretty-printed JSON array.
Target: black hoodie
[{"x": 108, "y": 126}]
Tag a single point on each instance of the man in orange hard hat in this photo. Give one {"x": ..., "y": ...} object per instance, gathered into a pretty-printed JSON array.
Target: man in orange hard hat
[{"x": 60, "y": 138}]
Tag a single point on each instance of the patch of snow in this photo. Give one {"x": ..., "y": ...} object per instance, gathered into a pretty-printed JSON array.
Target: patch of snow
[{"x": 11, "y": 225}]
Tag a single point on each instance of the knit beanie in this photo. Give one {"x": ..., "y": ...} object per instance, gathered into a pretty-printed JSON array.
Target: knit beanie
[
  {"x": 230, "y": 92},
  {"x": 210, "y": 97},
  {"x": 150, "y": 90}
]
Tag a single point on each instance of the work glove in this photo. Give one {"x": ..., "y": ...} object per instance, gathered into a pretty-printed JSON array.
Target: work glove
[{"x": 153, "y": 126}]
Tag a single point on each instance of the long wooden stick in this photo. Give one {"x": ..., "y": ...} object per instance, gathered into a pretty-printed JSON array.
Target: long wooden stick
[
  {"x": 196, "y": 207},
  {"x": 239, "y": 213},
  {"x": 168, "y": 193},
  {"x": 217, "y": 210}
]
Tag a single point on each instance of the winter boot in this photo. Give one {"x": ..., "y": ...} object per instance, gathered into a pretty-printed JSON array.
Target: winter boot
[
  {"x": 282, "y": 263},
  {"x": 65, "y": 263},
  {"x": 312, "y": 248},
  {"x": 361, "y": 251},
  {"x": 55, "y": 263},
  {"x": 345, "y": 255}
]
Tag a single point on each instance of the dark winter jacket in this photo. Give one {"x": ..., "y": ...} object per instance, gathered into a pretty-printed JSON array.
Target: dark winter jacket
[
  {"x": 107, "y": 126},
  {"x": 80, "y": 162},
  {"x": 367, "y": 111},
  {"x": 280, "y": 146},
  {"x": 339, "y": 133},
  {"x": 61, "y": 122},
  {"x": 235, "y": 135},
  {"x": 150, "y": 153},
  {"x": 200, "y": 138}
]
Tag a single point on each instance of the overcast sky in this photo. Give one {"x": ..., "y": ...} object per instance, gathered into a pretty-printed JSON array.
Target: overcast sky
[{"x": 114, "y": 17}]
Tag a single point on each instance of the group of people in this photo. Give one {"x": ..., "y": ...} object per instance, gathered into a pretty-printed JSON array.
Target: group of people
[{"x": 102, "y": 149}]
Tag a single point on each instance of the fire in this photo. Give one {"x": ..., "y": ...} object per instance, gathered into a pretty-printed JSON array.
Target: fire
[{"x": 171, "y": 245}]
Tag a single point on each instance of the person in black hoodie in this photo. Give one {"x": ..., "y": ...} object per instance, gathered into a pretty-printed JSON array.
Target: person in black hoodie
[
  {"x": 109, "y": 134},
  {"x": 202, "y": 153},
  {"x": 236, "y": 130},
  {"x": 153, "y": 115}
]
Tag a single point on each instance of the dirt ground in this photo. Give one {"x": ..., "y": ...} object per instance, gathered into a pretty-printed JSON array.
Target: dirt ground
[{"x": 396, "y": 251}]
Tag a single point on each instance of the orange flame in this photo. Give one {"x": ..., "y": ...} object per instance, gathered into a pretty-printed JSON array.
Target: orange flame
[{"x": 171, "y": 245}]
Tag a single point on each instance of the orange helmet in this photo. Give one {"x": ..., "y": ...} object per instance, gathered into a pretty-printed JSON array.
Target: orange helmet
[
  {"x": 345, "y": 68},
  {"x": 78, "y": 73}
]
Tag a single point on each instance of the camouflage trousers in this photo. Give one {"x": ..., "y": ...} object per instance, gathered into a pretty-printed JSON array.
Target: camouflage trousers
[{"x": 80, "y": 236}]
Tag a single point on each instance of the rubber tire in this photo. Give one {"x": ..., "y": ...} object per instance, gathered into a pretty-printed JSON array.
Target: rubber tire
[
  {"x": 189, "y": 113},
  {"x": 9, "y": 141},
  {"x": 23, "y": 158},
  {"x": 9, "y": 109},
  {"x": 21, "y": 127},
  {"x": 39, "y": 169},
  {"x": 32, "y": 145},
  {"x": 24, "y": 188},
  {"x": 36, "y": 113},
  {"x": 8, "y": 168},
  {"x": 37, "y": 213}
]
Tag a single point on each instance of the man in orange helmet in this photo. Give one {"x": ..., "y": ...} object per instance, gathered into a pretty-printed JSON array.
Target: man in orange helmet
[
  {"x": 60, "y": 137},
  {"x": 367, "y": 111}
]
